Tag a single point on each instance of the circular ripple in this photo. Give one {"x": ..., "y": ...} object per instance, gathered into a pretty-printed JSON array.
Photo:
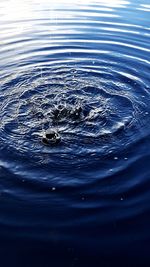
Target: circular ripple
[
  {"x": 90, "y": 116},
  {"x": 90, "y": 90},
  {"x": 80, "y": 69}
]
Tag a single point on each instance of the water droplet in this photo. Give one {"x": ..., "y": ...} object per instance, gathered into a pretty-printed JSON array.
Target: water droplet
[{"x": 53, "y": 188}]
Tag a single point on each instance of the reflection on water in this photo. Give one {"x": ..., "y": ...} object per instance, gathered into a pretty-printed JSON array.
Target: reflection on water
[{"x": 78, "y": 71}]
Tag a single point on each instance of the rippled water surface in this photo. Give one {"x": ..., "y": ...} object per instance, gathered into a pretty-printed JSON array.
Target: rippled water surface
[{"x": 80, "y": 70}]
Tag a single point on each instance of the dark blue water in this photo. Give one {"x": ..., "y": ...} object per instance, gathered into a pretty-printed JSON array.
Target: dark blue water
[{"x": 80, "y": 69}]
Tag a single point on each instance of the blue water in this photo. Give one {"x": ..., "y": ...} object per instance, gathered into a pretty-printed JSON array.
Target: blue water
[{"x": 80, "y": 69}]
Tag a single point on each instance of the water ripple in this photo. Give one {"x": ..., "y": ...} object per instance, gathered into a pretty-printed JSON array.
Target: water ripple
[{"x": 82, "y": 71}]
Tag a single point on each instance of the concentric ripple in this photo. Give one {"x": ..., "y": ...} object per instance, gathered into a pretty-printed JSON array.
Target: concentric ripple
[
  {"x": 82, "y": 70},
  {"x": 89, "y": 114},
  {"x": 89, "y": 90}
]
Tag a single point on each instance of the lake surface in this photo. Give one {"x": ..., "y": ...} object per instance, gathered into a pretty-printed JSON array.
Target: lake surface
[{"x": 82, "y": 70}]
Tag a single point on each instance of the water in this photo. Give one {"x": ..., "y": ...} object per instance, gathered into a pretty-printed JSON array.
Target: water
[{"x": 80, "y": 69}]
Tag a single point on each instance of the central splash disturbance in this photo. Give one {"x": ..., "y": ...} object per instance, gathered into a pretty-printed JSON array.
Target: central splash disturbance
[
  {"x": 67, "y": 112},
  {"x": 87, "y": 113}
]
